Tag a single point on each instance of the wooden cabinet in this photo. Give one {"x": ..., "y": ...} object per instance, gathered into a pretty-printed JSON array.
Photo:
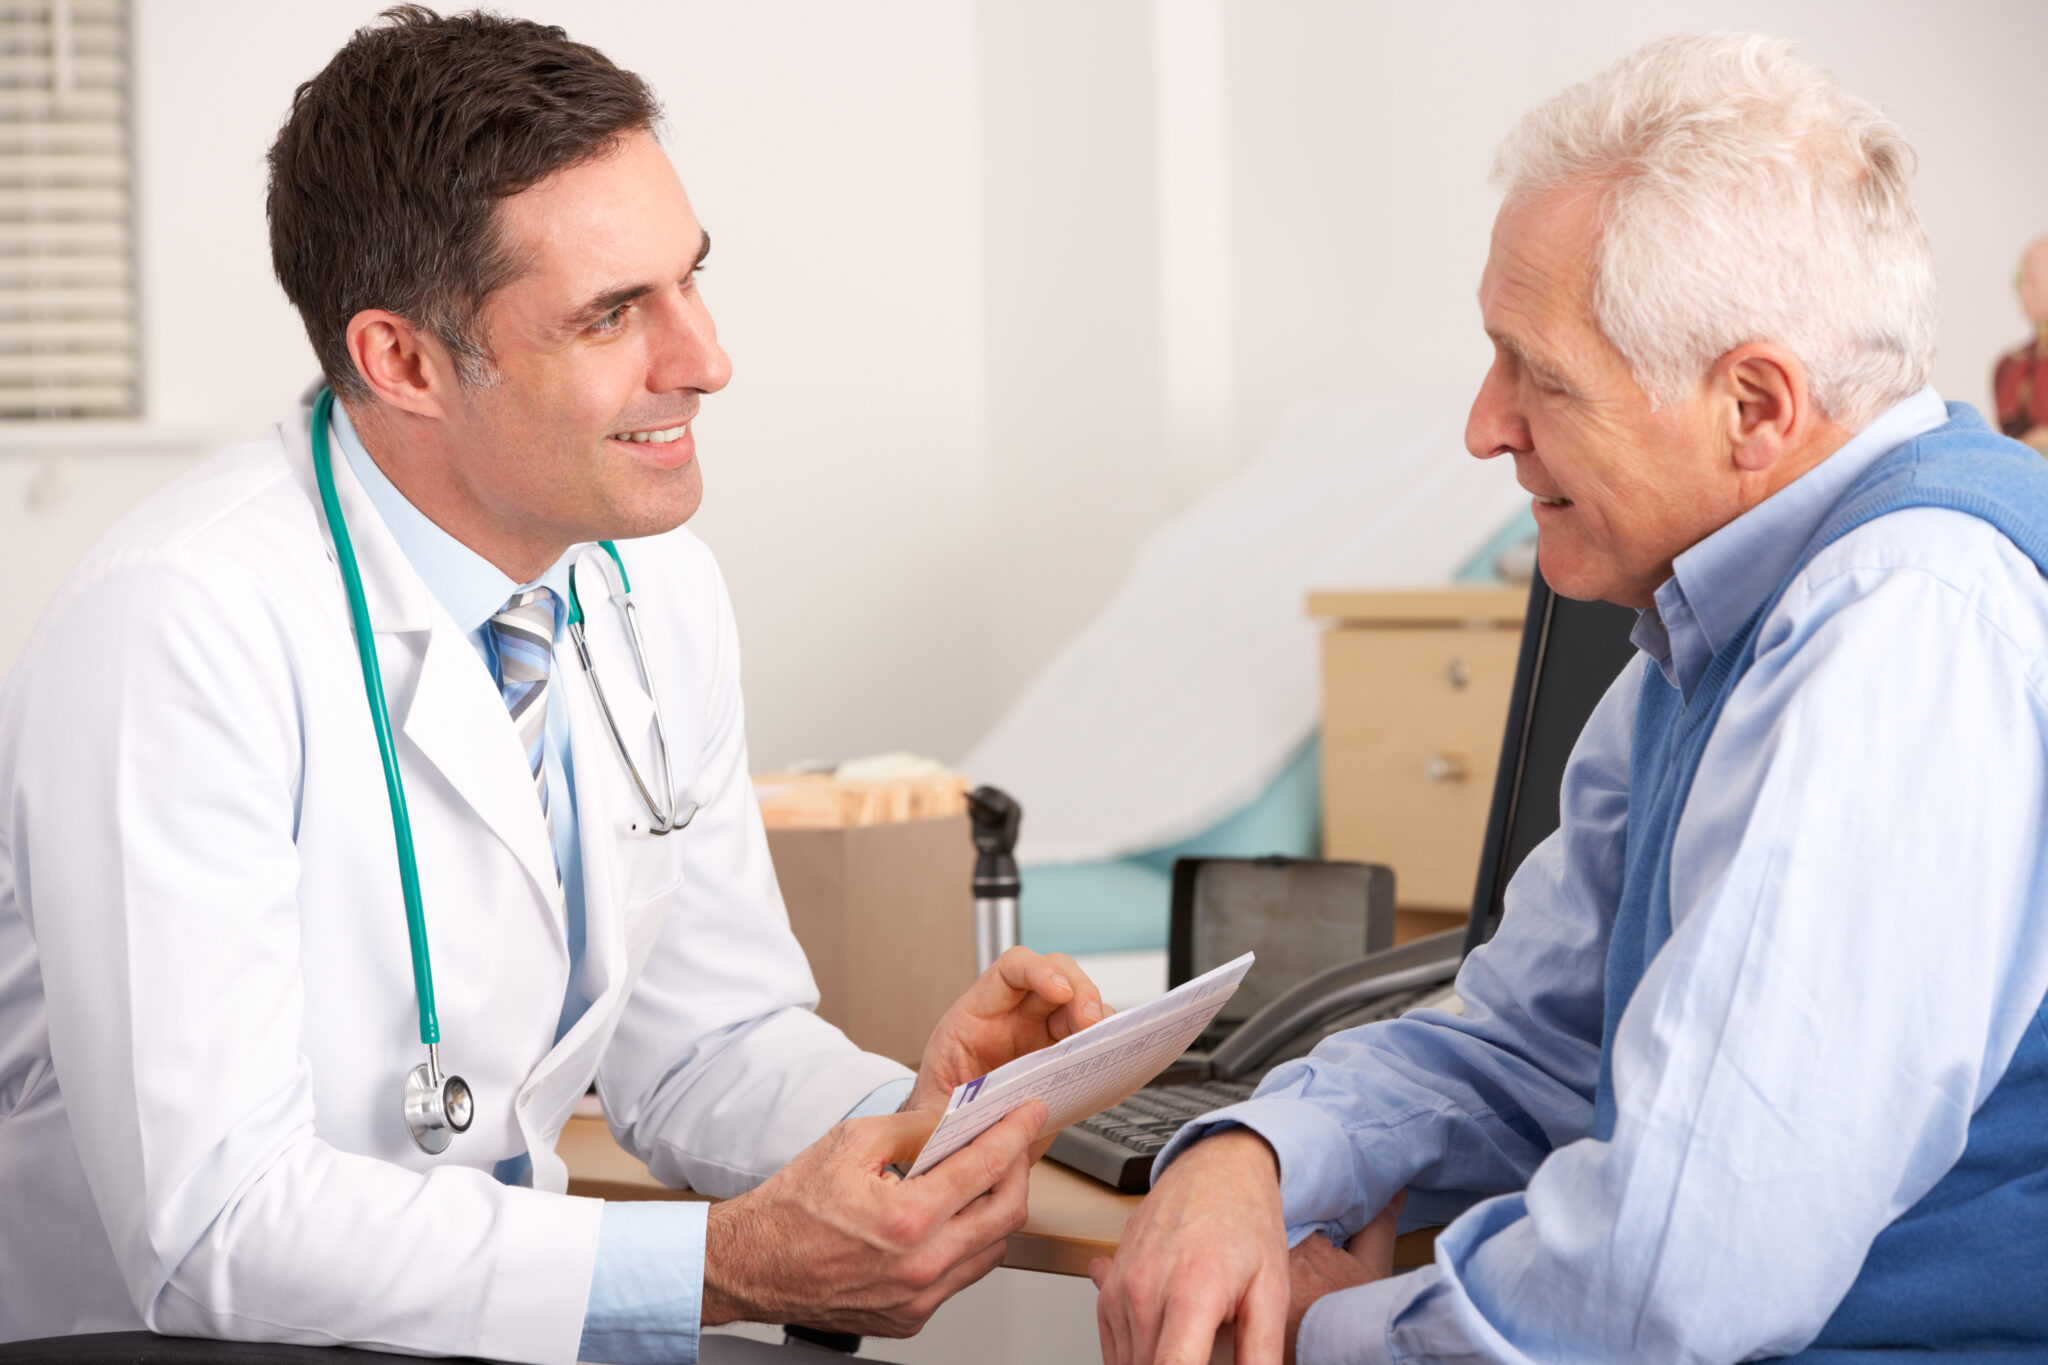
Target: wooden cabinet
[{"x": 1415, "y": 699}]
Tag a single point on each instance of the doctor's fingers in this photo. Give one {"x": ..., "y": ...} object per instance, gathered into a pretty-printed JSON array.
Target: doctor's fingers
[
  {"x": 882, "y": 1140},
  {"x": 1024, "y": 982},
  {"x": 906, "y": 1320},
  {"x": 989, "y": 1220},
  {"x": 983, "y": 1164},
  {"x": 1085, "y": 1008}
]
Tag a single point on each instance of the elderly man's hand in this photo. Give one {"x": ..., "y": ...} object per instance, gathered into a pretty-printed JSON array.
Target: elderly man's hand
[
  {"x": 1204, "y": 1265},
  {"x": 1207, "y": 1247},
  {"x": 1317, "y": 1266},
  {"x": 1023, "y": 1002}
]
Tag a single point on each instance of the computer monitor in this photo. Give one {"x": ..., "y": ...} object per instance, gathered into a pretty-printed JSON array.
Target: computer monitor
[{"x": 1571, "y": 653}]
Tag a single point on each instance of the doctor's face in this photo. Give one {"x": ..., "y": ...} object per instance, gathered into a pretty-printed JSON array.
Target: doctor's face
[{"x": 603, "y": 351}]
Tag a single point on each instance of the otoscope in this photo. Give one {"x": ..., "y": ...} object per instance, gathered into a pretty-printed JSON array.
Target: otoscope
[{"x": 996, "y": 816}]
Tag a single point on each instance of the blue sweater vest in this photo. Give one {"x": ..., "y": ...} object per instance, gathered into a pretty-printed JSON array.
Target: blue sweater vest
[{"x": 1965, "y": 1270}]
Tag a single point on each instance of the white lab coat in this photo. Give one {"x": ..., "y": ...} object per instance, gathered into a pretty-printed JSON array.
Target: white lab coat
[{"x": 206, "y": 998}]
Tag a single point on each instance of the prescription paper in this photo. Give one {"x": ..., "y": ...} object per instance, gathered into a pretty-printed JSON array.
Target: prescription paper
[{"x": 1089, "y": 1071}]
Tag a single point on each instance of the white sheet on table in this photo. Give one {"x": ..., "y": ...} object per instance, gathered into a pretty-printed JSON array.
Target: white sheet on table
[{"x": 1197, "y": 683}]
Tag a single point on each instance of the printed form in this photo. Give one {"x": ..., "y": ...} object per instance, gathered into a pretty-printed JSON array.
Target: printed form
[{"x": 1088, "y": 1072}]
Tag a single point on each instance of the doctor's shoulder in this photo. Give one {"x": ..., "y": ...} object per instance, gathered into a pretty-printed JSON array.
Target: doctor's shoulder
[{"x": 219, "y": 554}]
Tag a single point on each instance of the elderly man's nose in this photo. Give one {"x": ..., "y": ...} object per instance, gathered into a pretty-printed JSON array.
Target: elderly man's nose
[{"x": 1494, "y": 427}]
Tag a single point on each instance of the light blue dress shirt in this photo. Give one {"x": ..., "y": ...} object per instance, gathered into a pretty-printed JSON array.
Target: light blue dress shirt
[
  {"x": 647, "y": 1287},
  {"x": 1858, "y": 894}
]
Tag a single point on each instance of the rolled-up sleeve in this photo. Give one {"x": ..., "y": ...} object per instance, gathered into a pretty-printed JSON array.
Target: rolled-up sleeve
[{"x": 1455, "y": 1108}]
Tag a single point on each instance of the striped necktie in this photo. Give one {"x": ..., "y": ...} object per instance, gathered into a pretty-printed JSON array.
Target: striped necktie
[{"x": 524, "y": 630}]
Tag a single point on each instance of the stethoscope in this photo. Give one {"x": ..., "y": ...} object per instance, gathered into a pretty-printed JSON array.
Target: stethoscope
[{"x": 438, "y": 1105}]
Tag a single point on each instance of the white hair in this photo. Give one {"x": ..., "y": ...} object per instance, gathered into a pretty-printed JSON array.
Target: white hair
[{"x": 1745, "y": 197}]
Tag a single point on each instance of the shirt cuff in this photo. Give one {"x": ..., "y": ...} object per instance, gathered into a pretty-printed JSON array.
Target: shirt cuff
[
  {"x": 1353, "y": 1326},
  {"x": 647, "y": 1289},
  {"x": 885, "y": 1098},
  {"x": 1318, "y": 1167}
]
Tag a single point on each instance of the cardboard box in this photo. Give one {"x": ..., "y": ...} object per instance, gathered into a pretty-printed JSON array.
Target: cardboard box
[
  {"x": 886, "y": 915},
  {"x": 820, "y": 801}
]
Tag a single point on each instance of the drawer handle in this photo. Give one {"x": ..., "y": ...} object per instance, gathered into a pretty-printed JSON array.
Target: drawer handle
[
  {"x": 1458, "y": 674},
  {"x": 1444, "y": 768}
]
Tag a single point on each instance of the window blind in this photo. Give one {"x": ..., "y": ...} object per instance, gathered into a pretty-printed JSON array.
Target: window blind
[{"x": 68, "y": 339}]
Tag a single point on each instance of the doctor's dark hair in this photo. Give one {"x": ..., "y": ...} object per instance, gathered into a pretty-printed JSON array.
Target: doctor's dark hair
[{"x": 386, "y": 176}]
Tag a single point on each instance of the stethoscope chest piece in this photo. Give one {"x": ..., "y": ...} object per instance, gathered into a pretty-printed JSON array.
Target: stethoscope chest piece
[{"x": 436, "y": 1107}]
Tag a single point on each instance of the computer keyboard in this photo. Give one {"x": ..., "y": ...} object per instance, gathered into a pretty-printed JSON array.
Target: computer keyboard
[{"x": 1117, "y": 1145}]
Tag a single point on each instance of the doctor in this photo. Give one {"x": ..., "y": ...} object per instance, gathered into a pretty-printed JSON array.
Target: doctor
[{"x": 208, "y": 1003}]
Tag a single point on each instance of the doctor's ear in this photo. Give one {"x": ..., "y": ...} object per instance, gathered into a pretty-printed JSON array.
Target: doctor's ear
[{"x": 404, "y": 365}]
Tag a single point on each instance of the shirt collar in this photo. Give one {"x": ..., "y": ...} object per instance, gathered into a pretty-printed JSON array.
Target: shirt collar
[
  {"x": 469, "y": 587},
  {"x": 1716, "y": 584}
]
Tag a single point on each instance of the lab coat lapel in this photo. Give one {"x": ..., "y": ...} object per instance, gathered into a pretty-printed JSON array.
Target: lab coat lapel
[
  {"x": 618, "y": 852},
  {"x": 454, "y": 714},
  {"x": 458, "y": 720},
  {"x": 628, "y": 874}
]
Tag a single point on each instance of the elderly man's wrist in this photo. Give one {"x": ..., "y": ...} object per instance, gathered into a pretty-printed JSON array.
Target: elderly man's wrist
[{"x": 1242, "y": 1150}]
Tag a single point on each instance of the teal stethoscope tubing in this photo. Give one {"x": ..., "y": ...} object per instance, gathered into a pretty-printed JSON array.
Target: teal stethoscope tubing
[
  {"x": 380, "y": 718},
  {"x": 437, "y": 1105}
]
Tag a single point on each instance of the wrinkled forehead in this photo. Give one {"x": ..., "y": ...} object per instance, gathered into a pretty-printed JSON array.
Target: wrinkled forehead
[{"x": 1539, "y": 265}]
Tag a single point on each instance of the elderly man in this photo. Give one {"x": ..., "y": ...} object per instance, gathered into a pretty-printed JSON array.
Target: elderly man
[{"x": 1756, "y": 1065}]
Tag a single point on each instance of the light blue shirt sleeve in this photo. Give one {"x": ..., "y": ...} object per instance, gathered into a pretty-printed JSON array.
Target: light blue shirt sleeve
[
  {"x": 647, "y": 1287},
  {"x": 883, "y": 1099},
  {"x": 1856, "y": 952},
  {"x": 1456, "y": 1108}
]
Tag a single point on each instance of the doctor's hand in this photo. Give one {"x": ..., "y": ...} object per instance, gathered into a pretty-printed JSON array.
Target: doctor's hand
[
  {"x": 837, "y": 1241},
  {"x": 1022, "y": 1003}
]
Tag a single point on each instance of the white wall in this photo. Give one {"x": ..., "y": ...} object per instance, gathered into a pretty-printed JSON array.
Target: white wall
[
  {"x": 1006, "y": 282},
  {"x": 1361, "y": 136}
]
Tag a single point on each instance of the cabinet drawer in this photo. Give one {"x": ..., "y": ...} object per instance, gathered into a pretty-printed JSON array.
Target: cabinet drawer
[{"x": 1412, "y": 723}]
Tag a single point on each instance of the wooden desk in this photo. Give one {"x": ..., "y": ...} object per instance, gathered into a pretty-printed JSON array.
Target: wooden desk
[{"x": 1074, "y": 1218}]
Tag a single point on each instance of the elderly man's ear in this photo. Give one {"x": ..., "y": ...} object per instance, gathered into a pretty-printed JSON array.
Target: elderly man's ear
[{"x": 1761, "y": 388}]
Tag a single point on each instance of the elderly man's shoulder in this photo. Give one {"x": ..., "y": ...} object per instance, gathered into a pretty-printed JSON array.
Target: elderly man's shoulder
[{"x": 1928, "y": 566}]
